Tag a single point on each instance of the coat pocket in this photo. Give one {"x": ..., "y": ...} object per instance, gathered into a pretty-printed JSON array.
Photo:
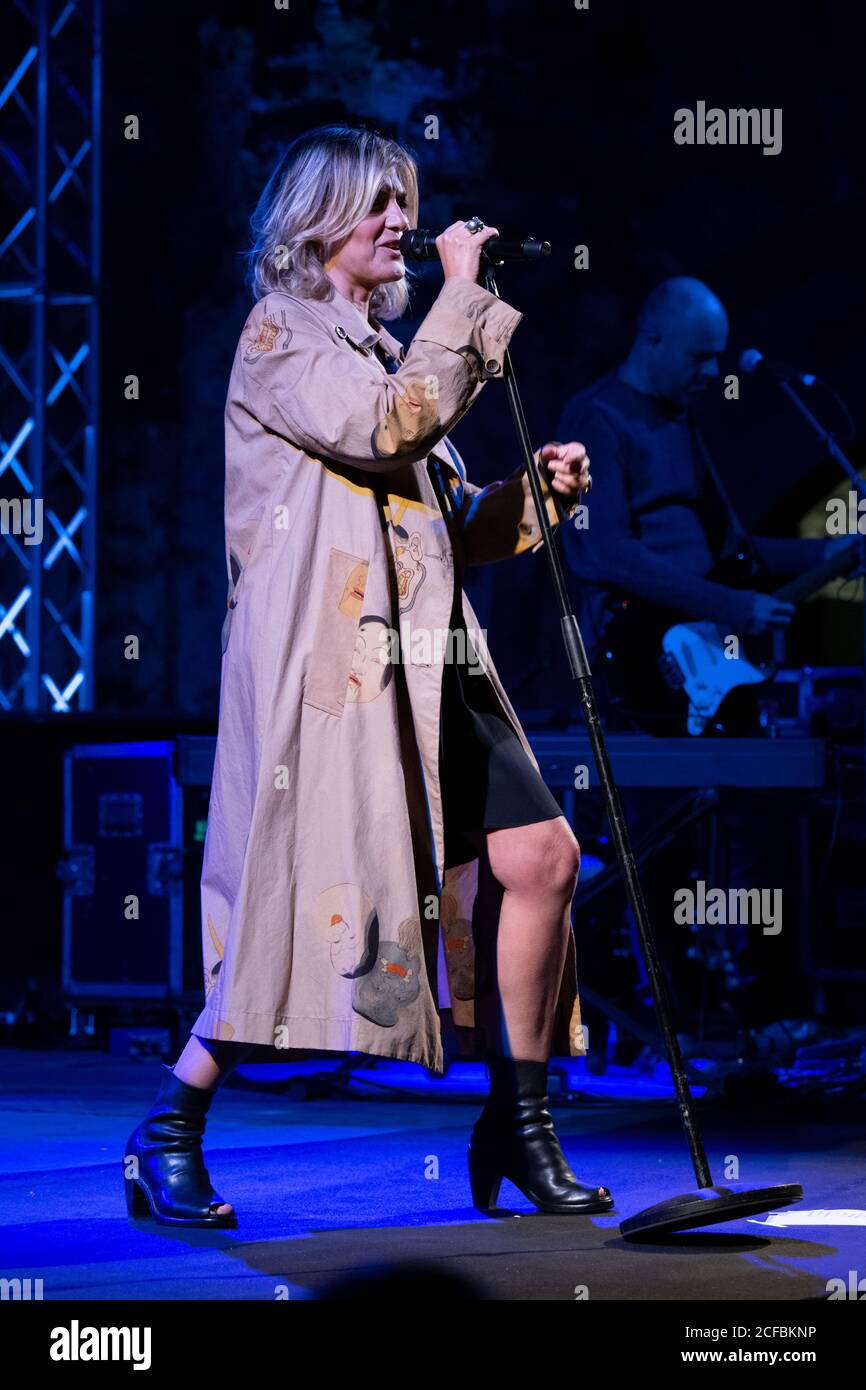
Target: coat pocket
[{"x": 330, "y": 662}]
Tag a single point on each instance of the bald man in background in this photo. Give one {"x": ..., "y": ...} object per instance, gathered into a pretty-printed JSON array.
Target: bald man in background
[{"x": 657, "y": 523}]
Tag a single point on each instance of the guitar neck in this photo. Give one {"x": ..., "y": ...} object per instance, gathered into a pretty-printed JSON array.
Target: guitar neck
[{"x": 805, "y": 584}]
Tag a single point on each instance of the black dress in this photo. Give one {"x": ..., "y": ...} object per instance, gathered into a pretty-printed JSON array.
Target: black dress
[{"x": 488, "y": 782}]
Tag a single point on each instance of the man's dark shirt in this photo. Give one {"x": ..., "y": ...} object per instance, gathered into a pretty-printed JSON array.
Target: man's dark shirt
[{"x": 657, "y": 524}]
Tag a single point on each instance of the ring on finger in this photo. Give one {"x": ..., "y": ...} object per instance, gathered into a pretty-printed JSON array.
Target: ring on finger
[{"x": 473, "y": 225}]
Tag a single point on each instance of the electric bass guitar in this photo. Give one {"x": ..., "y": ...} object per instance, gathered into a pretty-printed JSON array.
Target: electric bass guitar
[{"x": 673, "y": 677}]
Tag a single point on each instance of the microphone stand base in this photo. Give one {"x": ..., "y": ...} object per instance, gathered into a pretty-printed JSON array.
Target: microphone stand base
[{"x": 706, "y": 1206}]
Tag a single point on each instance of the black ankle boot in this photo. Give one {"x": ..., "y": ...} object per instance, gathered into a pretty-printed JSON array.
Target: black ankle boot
[
  {"x": 169, "y": 1181},
  {"x": 514, "y": 1138}
]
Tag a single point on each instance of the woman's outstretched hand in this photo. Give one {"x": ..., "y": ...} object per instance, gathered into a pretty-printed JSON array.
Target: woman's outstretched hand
[
  {"x": 568, "y": 466},
  {"x": 460, "y": 250}
]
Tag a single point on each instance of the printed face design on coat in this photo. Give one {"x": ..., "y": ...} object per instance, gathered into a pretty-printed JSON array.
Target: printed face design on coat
[
  {"x": 347, "y": 920},
  {"x": 372, "y": 667},
  {"x": 459, "y": 957},
  {"x": 392, "y": 984},
  {"x": 211, "y": 972},
  {"x": 352, "y": 597},
  {"x": 265, "y": 335},
  {"x": 224, "y": 1030},
  {"x": 408, "y": 556},
  {"x": 411, "y": 417}
]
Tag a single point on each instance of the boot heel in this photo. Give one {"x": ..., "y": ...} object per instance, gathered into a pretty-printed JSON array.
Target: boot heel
[
  {"x": 485, "y": 1180},
  {"x": 137, "y": 1205}
]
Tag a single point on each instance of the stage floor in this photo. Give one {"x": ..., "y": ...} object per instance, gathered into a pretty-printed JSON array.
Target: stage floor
[{"x": 327, "y": 1188}]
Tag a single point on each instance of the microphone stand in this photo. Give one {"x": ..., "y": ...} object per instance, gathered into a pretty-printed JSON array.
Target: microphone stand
[{"x": 708, "y": 1204}]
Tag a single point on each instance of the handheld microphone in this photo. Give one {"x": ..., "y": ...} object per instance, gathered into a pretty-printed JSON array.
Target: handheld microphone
[
  {"x": 419, "y": 244},
  {"x": 752, "y": 361}
]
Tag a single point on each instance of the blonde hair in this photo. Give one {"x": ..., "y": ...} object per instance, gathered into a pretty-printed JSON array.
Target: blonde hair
[{"x": 324, "y": 184}]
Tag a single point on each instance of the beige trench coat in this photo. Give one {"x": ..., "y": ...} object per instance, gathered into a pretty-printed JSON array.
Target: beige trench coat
[{"x": 327, "y": 922}]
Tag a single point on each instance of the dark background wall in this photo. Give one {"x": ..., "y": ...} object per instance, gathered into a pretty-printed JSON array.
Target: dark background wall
[{"x": 553, "y": 121}]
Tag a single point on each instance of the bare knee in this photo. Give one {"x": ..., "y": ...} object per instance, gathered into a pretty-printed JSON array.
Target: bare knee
[
  {"x": 563, "y": 856},
  {"x": 542, "y": 859}
]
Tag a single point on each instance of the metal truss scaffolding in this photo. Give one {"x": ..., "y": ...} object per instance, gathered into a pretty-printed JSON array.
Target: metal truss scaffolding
[{"x": 50, "y": 74}]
